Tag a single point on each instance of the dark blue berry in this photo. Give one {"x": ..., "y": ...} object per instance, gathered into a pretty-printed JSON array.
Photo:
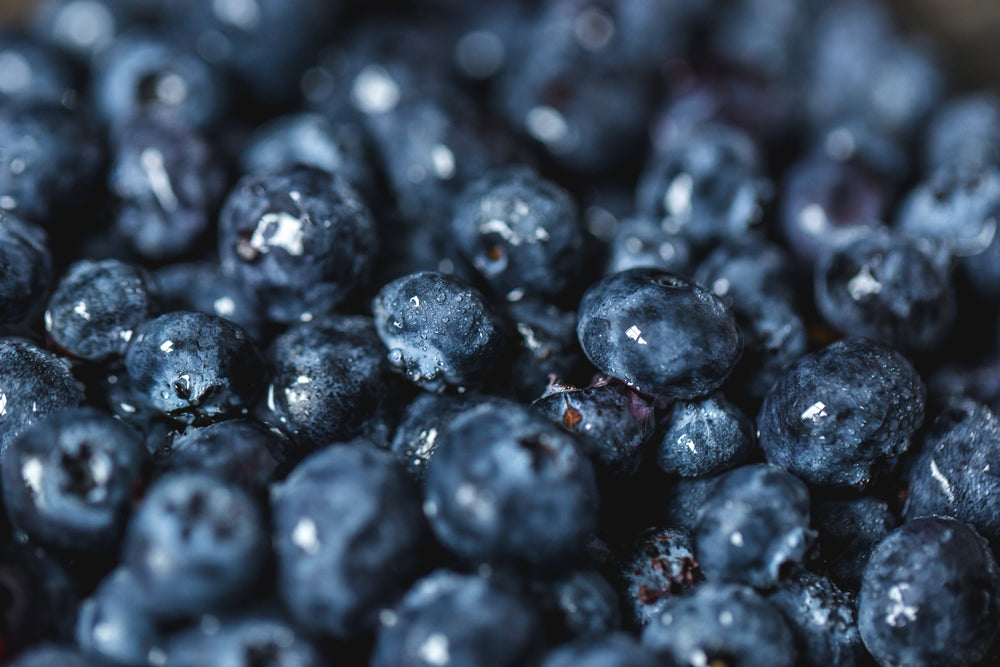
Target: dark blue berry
[
  {"x": 775, "y": 338},
  {"x": 848, "y": 532},
  {"x": 329, "y": 380},
  {"x": 521, "y": 233},
  {"x": 746, "y": 271},
  {"x": 703, "y": 437},
  {"x": 244, "y": 641},
  {"x": 203, "y": 288},
  {"x": 545, "y": 345},
  {"x": 31, "y": 71},
  {"x": 348, "y": 531},
  {"x": 438, "y": 331},
  {"x": 194, "y": 544},
  {"x": 38, "y": 600},
  {"x": 841, "y": 414},
  {"x": 728, "y": 623},
  {"x": 97, "y": 307},
  {"x": 964, "y": 131},
  {"x": 115, "y": 624},
  {"x": 459, "y": 620},
  {"x": 644, "y": 243},
  {"x": 27, "y": 263},
  {"x": 194, "y": 367},
  {"x": 167, "y": 183},
  {"x": 300, "y": 241},
  {"x": 68, "y": 481},
  {"x": 658, "y": 332},
  {"x": 423, "y": 421},
  {"x": 614, "y": 650},
  {"x": 930, "y": 596},
  {"x": 507, "y": 485},
  {"x": 753, "y": 526},
  {"x": 579, "y": 604},
  {"x": 681, "y": 502},
  {"x": 659, "y": 569}
]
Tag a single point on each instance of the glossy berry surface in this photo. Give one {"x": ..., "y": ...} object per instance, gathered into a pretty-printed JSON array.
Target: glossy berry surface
[
  {"x": 194, "y": 367},
  {"x": 842, "y": 413},
  {"x": 703, "y": 437},
  {"x": 298, "y": 240},
  {"x": 422, "y": 423},
  {"x": 438, "y": 331},
  {"x": 644, "y": 243},
  {"x": 97, "y": 306},
  {"x": 658, "y": 332},
  {"x": 507, "y": 485},
  {"x": 347, "y": 529}
]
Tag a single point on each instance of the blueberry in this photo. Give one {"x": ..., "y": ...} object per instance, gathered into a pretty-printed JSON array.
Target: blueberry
[
  {"x": 728, "y": 623},
  {"x": 194, "y": 543},
  {"x": 82, "y": 28},
  {"x": 762, "y": 36},
  {"x": 775, "y": 338},
  {"x": 50, "y": 159},
  {"x": 841, "y": 414},
  {"x": 682, "y": 501},
  {"x": 96, "y": 308},
  {"x": 644, "y": 243},
  {"x": 115, "y": 624},
  {"x": 298, "y": 240},
  {"x": 49, "y": 655},
  {"x": 658, "y": 569},
  {"x": 141, "y": 75},
  {"x": 194, "y": 367},
  {"x": 329, "y": 380},
  {"x": 930, "y": 596},
  {"x": 421, "y": 424},
  {"x": 507, "y": 485},
  {"x": 459, "y": 620},
  {"x": 824, "y": 201},
  {"x": 753, "y": 527},
  {"x": 579, "y": 604},
  {"x": 310, "y": 140},
  {"x": 888, "y": 288},
  {"x": 545, "y": 345},
  {"x": 707, "y": 188},
  {"x": 244, "y": 641},
  {"x": 964, "y": 131},
  {"x": 611, "y": 422},
  {"x": 848, "y": 532},
  {"x": 34, "y": 384},
  {"x": 203, "y": 288},
  {"x": 822, "y": 618},
  {"x": 68, "y": 481},
  {"x": 703, "y": 437},
  {"x": 979, "y": 381},
  {"x": 658, "y": 332},
  {"x": 614, "y": 650},
  {"x": 31, "y": 71},
  {"x": 167, "y": 183},
  {"x": 244, "y": 452},
  {"x": 951, "y": 470},
  {"x": 347, "y": 532},
  {"x": 746, "y": 271},
  {"x": 438, "y": 331},
  {"x": 521, "y": 233},
  {"x": 38, "y": 600},
  {"x": 27, "y": 263}
]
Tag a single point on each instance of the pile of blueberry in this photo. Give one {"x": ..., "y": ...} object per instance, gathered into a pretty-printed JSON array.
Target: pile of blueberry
[{"x": 575, "y": 333}]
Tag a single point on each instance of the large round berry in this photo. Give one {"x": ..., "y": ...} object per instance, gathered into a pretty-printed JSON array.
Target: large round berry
[
  {"x": 660, "y": 333},
  {"x": 194, "y": 367},
  {"x": 930, "y": 596},
  {"x": 115, "y": 622},
  {"x": 841, "y": 414},
  {"x": 97, "y": 307},
  {"x": 703, "y": 437},
  {"x": 27, "y": 267},
  {"x": 300, "y": 240}
]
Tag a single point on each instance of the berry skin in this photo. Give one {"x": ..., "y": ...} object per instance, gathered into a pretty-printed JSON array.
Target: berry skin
[
  {"x": 422, "y": 423},
  {"x": 194, "y": 367},
  {"x": 658, "y": 570},
  {"x": 644, "y": 243},
  {"x": 460, "y": 620},
  {"x": 348, "y": 531},
  {"x": 167, "y": 182},
  {"x": 521, "y": 233},
  {"x": 544, "y": 345},
  {"x": 930, "y": 596},
  {"x": 658, "y": 332},
  {"x": 682, "y": 501},
  {"x": 114, "y": 623},
  {"x": 68, "y": 481},
  {"x": 611, "y": 422},
  {"x": 202, "y": 287},
  {"x": 27, "y": 263},
  {"x": 822, "y": 618},
  {"x": 728, "y": 623},
  {"x": 330, "y": 380},
  {"x": 580, "y": 604},
  {"x": 97, "y": 306},
  {"x": 244, "y": 641},
  {"x": 49, "y": 655},
  {"x": 34, "y": 384},
  {"x": 746, "y": 271},
  {"x": 888, "y": 288},
  {"x": 50, "y": 158},
  {"x": 194, "y": 544},
  {"x": 438, "y": 331},
  {"x": 614, "y": 650},
  {"x": 842, "y": 413},
  {"x": 849, "y": 530},
  {"x": 753, "y": 526},
  {"x": 704, "y": 437},
  {"x": 299, "y": 240},
  {"x": 507, "y": 485},
  {"x": 964, "y": 131},
  {"x": 951, "y": 472}
]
